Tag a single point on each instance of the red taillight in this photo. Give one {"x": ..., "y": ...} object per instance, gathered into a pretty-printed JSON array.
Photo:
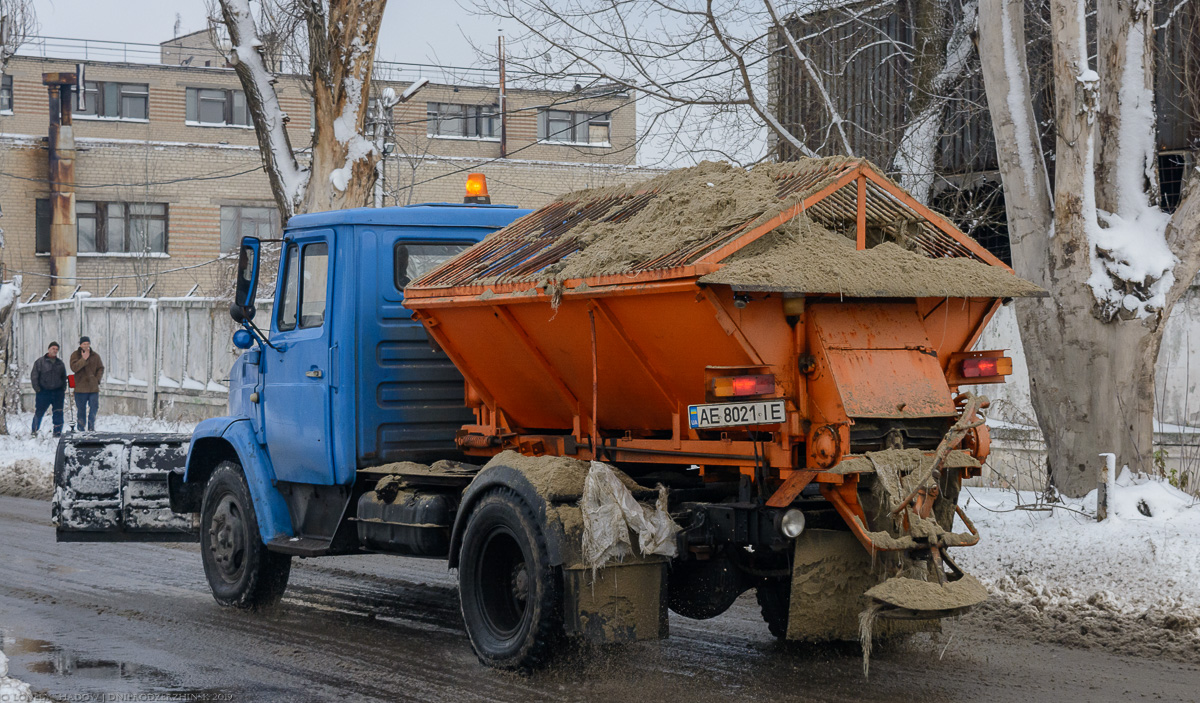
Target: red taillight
[
  {"x": 734, "y": 386},
  {"x": 983, "y": 366}
]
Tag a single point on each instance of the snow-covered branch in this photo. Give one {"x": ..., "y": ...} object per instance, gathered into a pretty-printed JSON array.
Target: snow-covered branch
[{"x": 288, "y": 179}]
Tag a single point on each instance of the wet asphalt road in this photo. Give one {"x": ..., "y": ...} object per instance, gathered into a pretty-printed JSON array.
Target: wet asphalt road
[{"x": 104, "y": 622}]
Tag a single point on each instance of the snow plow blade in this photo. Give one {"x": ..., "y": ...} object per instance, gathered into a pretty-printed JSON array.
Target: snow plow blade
[
  {"x": 113, "y": 488},
  {"x": 906, "y": 598}
]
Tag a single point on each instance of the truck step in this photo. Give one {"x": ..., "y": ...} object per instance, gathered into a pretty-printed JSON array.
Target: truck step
[{"x": 301, "y": 546}]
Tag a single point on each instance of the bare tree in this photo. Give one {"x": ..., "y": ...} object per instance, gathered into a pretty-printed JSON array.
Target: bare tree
[
  {"x": 18, "y": 22},
  {"x": 754, "y": 79},
  {"x": 339, "y": 38},
  {"x": 1114, "y": 263},
  {"x": 700, "y": 71}
]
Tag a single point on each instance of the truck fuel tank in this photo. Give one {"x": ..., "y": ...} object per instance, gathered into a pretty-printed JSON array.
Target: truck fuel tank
[{"x": 405, "y": 520}]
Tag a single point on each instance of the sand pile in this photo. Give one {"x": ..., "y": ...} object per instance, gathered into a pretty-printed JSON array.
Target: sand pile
[
  {"x": 560, "y": 478},
  {"x": 802, "y": 256},
  {"x": 694, "y": 207}
]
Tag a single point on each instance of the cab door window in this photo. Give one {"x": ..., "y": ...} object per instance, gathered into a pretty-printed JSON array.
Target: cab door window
[
  {"x": 290, "y": 303},
  {"x": 315, "y": 275}
]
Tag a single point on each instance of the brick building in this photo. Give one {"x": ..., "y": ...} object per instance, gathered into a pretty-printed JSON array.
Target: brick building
[{"x": 168, "y": 171}]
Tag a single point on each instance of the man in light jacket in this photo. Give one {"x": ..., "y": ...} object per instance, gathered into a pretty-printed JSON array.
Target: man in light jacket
[
  {"x": 88, "y": 370},
  {"x": 49, "y": 378}
]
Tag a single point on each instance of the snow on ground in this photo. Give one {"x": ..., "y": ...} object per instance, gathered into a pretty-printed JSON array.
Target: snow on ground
[
  {"x": 27, "y": 461},
  {"x": 1130, "y": 583},
  {"x": 11, "y": 689}
]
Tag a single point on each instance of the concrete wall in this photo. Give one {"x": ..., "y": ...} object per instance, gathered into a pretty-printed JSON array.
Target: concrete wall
[{"x": 163, "y": 357}]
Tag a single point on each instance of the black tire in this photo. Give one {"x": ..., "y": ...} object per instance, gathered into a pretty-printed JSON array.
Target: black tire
[
  {"x": 241, "y": 572},
  {"x": 511, "y": 595},
  {"x": 774, "y": 600}
]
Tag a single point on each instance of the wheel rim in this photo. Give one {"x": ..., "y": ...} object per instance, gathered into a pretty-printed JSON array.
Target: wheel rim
[
  {"x": 227, "y": 539},
  {"x": 502, "y": 583}
]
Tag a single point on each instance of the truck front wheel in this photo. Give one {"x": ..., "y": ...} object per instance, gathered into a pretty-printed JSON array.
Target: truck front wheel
[
  {"x": 511, "y": 595},
  {"x": 240, "y": 570}
]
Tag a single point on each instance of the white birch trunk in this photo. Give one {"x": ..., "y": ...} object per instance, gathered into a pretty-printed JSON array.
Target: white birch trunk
[{"x": 1092, "y": 374}]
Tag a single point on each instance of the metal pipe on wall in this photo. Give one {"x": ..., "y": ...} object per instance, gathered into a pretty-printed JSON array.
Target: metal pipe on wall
[{"x": 63, "y": 241}]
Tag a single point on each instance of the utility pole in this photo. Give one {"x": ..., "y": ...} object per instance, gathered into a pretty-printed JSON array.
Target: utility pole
[
  {"x": 63, "y": 241},
  {"x": 503, "y": 100}
]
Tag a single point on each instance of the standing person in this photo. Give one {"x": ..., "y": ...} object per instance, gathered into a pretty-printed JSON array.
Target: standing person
[
  {"x": 49, "y": 377},
  {"x": 88, "y": 369}
]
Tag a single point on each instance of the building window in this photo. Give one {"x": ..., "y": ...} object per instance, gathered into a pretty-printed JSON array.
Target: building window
[
  {"x": 116, "y": 101},
  {"x": 41, "y": 229},
  {"x": 1172, "y": 171},
  {"x": 574, "y": 127},
  {"x": 110, "y": 228},
  {"x": 473, "y": 121},
  {"x": 217, "y": 107},
  {"x": 238, "y": 222},
  {"x": 6, "y": 93}
]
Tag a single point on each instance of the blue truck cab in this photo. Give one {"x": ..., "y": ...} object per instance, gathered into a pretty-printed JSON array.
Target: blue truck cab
[
  {"x": 345, "y": 379},
  {"x": 336, "y": 378}
]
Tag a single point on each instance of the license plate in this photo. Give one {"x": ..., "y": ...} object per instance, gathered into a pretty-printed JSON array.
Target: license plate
[{"x": 761, "y": 412}]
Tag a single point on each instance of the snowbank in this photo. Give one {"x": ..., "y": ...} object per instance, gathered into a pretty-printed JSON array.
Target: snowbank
[
  {"x": 11, "y": 689},
  {"x": 27, "y": 462},
  {"x": 1130, "y": 583}
]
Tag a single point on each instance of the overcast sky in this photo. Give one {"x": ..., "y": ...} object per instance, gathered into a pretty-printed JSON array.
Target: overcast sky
[{"x": 430, "y": 31}]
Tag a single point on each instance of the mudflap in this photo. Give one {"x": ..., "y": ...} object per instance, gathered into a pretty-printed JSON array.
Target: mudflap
[
  {"x": 617, "y": 604},
  {"x": 831, "y": 574},
  {"x": 113, "y": 487}
]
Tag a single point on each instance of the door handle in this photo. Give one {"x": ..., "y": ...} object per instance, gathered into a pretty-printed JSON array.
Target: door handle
[{"x": 315, "y": 373}]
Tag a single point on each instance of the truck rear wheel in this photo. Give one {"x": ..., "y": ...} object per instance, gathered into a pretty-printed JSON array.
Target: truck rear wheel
[
  {"x": 511, "y": 595},
  {"x": 240, "y": 570},
  {"x": 774, "y": 599}
]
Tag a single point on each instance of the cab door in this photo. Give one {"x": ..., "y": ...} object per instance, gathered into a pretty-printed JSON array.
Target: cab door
[{"x": 296, "y": 398}]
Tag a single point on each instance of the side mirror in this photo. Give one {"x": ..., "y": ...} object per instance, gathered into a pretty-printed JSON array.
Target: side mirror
[
  {"x": 247, "y": 280},
  {"x": 242, "y": 339}
]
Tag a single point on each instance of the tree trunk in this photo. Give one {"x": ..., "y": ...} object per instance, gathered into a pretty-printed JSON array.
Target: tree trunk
[
  {"x": 1126, "y": 181},
  {"x": 1092, "y": 386},
  {"x": 8, "y": 317},
  {"x": 341, "y": 45},
  {"x": 1091, "y": 377},
  {"x": 342, "y": 54}
]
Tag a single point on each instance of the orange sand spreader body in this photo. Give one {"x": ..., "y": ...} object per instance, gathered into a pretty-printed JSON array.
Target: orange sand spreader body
[{"x": 608, "y": 367}]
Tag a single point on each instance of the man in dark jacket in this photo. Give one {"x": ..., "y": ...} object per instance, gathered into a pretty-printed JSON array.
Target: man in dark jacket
[
  {"x": 88, "y": 370},
  {"x": 49, "y": 379}
]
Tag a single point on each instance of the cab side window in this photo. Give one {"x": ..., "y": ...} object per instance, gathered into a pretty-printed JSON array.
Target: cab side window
[{"x": 411, "y": 261}]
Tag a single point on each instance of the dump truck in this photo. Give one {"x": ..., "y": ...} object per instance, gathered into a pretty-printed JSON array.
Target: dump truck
[{"x": 630, "y": 402}]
